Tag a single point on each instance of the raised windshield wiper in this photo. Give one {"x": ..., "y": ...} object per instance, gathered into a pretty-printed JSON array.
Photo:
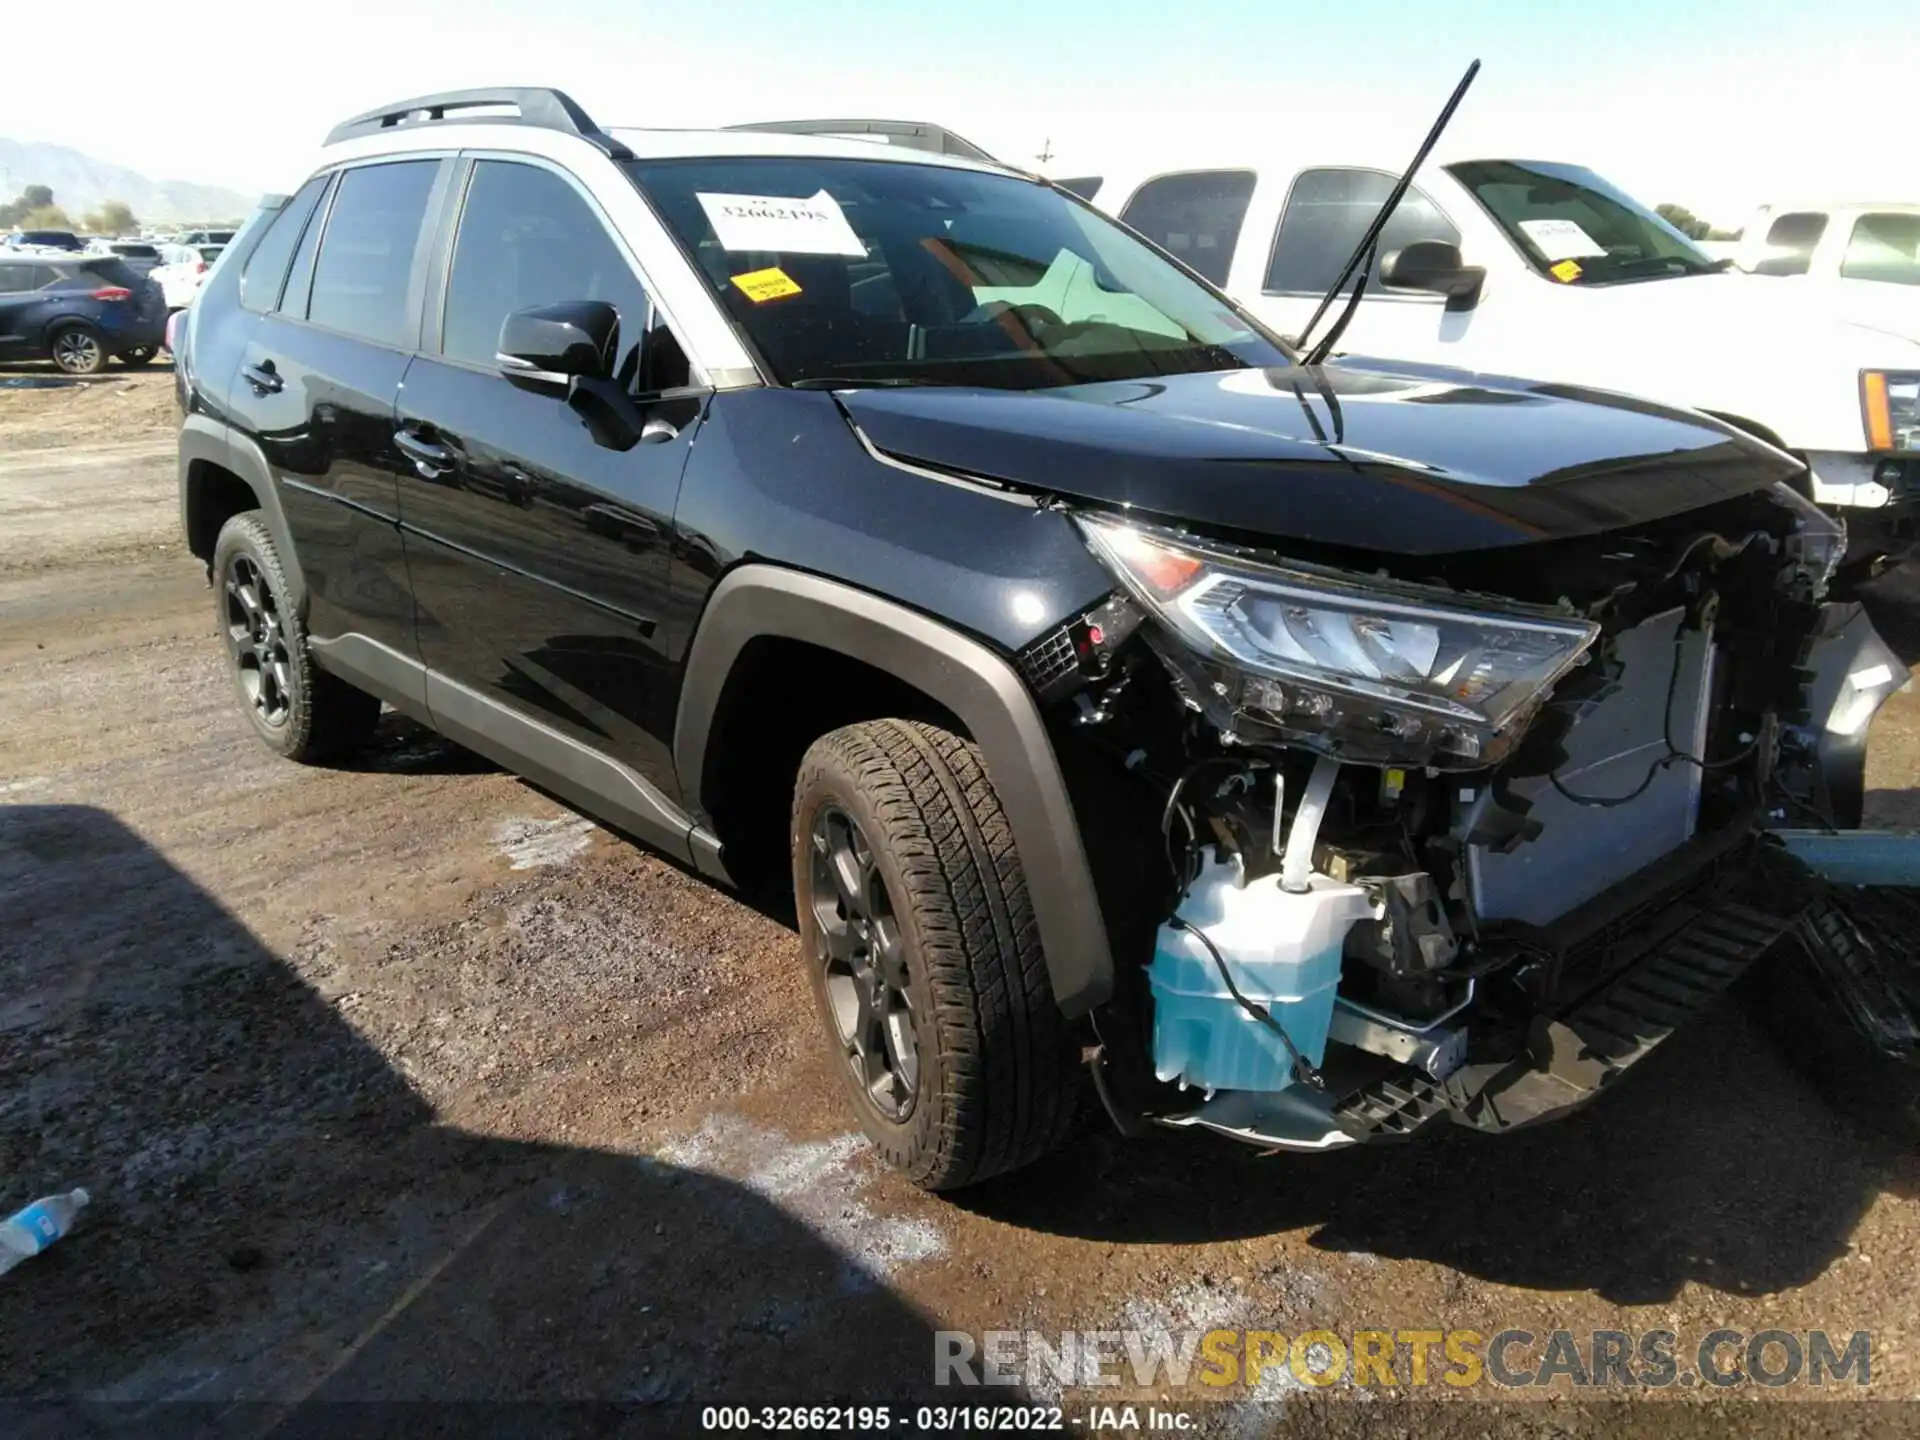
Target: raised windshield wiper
[{"x": 1363, "y": 253}]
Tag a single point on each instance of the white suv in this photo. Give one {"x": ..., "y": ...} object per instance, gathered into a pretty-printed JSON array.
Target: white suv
[{"x": 1543, "y": 269}]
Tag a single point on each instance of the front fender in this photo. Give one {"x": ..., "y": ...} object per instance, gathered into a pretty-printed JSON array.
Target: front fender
[{"x": 975, "y": 684}]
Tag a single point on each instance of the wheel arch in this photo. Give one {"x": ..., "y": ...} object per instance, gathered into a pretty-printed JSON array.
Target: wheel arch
[
  {"x": 979, "y": 689},
  {"x": 221, "y": 474}
]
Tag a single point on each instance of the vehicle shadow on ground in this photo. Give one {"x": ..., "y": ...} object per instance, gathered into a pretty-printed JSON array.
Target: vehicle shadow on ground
[
  {"x": 1713, "y": 1162},
  {"x": 401, "y": 745},
  {"x": 277, "y": 1217}
]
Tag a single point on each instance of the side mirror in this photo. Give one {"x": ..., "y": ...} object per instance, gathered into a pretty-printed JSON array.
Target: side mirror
[
  {"x": 1434, "y": 266},
  {"x": 557, "y": 344}
]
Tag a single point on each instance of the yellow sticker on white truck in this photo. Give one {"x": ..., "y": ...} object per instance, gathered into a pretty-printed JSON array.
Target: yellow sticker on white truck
[
  {"x": 760, "y": 286},
  {"x": 1566, "y": 272}
]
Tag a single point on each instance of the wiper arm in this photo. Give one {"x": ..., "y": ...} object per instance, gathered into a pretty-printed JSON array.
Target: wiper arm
[{"x": 1370, "y": 241}]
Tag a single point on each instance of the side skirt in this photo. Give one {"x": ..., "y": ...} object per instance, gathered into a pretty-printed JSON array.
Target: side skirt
[{"x": 576, "y": 772}]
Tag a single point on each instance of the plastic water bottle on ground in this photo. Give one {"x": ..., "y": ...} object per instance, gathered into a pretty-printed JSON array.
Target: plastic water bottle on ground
[{"x": 29, "y": 1231}]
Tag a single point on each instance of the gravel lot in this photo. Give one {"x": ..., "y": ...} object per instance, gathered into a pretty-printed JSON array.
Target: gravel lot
[{"x": 404, "y": 1082}]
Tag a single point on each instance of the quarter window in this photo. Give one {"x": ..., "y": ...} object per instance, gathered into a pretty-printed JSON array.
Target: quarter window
[
  {"x": 360, "y": 280},
  {"x": 527, "y": 238},
  {"x": 266, "y": 271},
  {"x": 1327, "y": 212},
  {"x": 1195, "y": 216},
  {"x": 1790, "y": 243}
]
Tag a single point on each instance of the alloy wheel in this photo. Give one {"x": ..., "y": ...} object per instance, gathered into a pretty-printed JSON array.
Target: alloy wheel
[
  {"x": 257, "y": 640},
  {"x": 860, "y": 948},
  {"x": 76, "y": 352}
]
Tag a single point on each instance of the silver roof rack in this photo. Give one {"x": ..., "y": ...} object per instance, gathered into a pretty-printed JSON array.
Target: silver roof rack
[{"x": 539, "y": 106}]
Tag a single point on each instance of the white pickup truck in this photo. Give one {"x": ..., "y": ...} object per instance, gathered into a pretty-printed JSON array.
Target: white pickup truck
[
  {"x": 1544, "y": 270},
  {"x": 1862, "y": 258}
]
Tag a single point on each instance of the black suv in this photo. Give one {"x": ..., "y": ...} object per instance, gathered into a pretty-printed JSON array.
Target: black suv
[
  {"x": 1310, "y": 752},
  {"x": 77, "y": 311}
]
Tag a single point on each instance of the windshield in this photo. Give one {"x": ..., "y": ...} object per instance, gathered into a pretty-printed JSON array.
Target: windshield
[
  {"x": 1575, "y": 228},
  {"x": 1884, "y": 246},
  {"x": 889, "y": 272}
]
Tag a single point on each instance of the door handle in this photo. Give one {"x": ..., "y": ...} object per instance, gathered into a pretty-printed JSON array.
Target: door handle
[
  {"x": 264, "y": 379},
  {"x": 430, "y": 460}
]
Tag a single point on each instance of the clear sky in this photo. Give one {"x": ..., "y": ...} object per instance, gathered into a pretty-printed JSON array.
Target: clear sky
[{"x": 1713, "y": 104}]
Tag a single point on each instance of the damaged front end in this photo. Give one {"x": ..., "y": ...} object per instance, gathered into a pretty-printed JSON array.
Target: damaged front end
[{"x": 1465, "y": 843}]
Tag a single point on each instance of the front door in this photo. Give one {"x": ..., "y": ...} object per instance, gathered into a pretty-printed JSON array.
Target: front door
[{"x": 538, "y": 557}]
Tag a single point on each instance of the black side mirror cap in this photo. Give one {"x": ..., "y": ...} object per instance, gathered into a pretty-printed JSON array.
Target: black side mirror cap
[
  {"x": 556, "y": 344},
  {"x": 1437, "y": 267}
]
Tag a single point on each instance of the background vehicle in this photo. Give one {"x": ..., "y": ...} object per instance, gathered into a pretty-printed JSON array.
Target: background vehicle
[
  {"x": 181, "y": 270},
  {"x": 77, "y": 311},
  {"x": 204, "y": 237},
  {"x": 1543, "y": 269},
  {"x": 141, "y": 255},
  {"x": 1861, "y": 258},
  {"x": 893, "y": 526},
  {"x": 43, "y": 239}
]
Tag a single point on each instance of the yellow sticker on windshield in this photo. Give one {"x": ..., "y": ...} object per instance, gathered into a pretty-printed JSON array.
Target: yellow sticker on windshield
[
  {"x": 1566, "y": 272},
  {"x": 759, "y": 286}
]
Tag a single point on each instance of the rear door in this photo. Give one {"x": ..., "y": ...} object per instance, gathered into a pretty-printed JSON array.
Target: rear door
[
  {"x": 315, "y": 387},
  {"x": 538, "y": 556},
  {"x": 20, "y": 280}
]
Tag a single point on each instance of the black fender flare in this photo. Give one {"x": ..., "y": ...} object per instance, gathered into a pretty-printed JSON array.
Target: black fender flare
[
  {"x": 204, "y": 440},
  {"x": 974, "y": 683}
]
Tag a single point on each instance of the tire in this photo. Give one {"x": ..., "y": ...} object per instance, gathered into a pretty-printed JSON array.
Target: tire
[
  {"x": 77, "y": 349},
  {"x": 924, "y": 848},
  {"x": 297, "y": 709},
  {"x": 136, "y": 357}
]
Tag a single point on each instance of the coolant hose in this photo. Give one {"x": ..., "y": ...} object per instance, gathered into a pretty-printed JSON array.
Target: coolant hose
[{"x": 1297, "y": 864}]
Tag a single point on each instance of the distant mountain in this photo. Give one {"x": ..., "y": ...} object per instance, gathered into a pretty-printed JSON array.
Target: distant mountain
[{"x": 80, "y": 183}]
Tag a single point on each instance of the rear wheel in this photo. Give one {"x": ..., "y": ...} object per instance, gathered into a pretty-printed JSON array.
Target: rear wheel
[
  {"x": 923, "y": 955},
  {"x": 77, "y": 349},
  {"x": 297, "y": 709}
]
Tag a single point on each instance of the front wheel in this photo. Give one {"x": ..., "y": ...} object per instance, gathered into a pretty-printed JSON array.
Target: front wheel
[{"x": 923, "y": 955}]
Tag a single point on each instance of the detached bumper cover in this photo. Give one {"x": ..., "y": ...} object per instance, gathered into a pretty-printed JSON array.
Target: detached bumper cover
[{"x": 1861, "y": 939}]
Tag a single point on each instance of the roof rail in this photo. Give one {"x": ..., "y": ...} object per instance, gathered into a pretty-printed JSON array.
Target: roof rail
[
  {"x": 539, "y": 106},
  {"x": 911, "y": 133}
]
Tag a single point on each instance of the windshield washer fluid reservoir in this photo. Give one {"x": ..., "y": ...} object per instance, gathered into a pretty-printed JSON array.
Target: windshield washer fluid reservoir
[{"x": 1283, "y": 951}]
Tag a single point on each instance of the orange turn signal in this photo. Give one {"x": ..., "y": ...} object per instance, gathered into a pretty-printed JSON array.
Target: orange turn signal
[{"x": 1873, "y": 394}]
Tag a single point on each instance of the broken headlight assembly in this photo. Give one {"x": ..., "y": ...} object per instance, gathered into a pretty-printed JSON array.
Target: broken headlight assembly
[{"x": 1365, "y": 669}]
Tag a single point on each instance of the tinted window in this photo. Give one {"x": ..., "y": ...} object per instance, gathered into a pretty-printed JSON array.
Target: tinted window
[
  {"x": 1085, "y": 186},
  {"x": 527, "y": 238},
  {"x": 293, "y": 299},
  {"x": 1790, "y": 243},
  {"x": 90, "y": 274},
  {"x": 360, "y": 280},
  {"x": 842, "y": 269},
  {"x": 17, "y": 279},
  {"x": 266, "y": 270},
  {"x": 1327, "y": 212},
  {"x": 1884, "y": 247},
  {"x": 64, "y": 239},
  {"x": 1194, "y": 216},
  {"x": 136, "y": 252}
]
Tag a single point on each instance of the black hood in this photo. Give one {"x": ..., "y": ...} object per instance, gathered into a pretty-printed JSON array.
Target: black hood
[{"x": 1407, "y": 460}]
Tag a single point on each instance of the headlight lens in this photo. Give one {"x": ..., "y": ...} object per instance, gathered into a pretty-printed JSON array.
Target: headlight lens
[
  {"x": 1372, "y": 670},
  {"x": 1891, "y": 402}
]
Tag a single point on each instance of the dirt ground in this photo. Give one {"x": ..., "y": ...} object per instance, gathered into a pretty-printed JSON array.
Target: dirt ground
[{"x": 402, "y": 1082}]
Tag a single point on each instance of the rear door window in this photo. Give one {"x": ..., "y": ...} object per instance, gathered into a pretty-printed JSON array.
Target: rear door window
[
  {"x": 1327, "y": 212},
  {"x": 1790, "y": 243},
  {"x": 16, "y": 279},
  {"x": 362, "y": 278},
  {"x": 1195, "y": 216},
  {"x": 1884, "y": 247},
  {"x": 266, "y": 272}
]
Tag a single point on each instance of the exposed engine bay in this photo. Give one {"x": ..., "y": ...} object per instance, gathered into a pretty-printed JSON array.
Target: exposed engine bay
[{"x": 1463, "y": 840}]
